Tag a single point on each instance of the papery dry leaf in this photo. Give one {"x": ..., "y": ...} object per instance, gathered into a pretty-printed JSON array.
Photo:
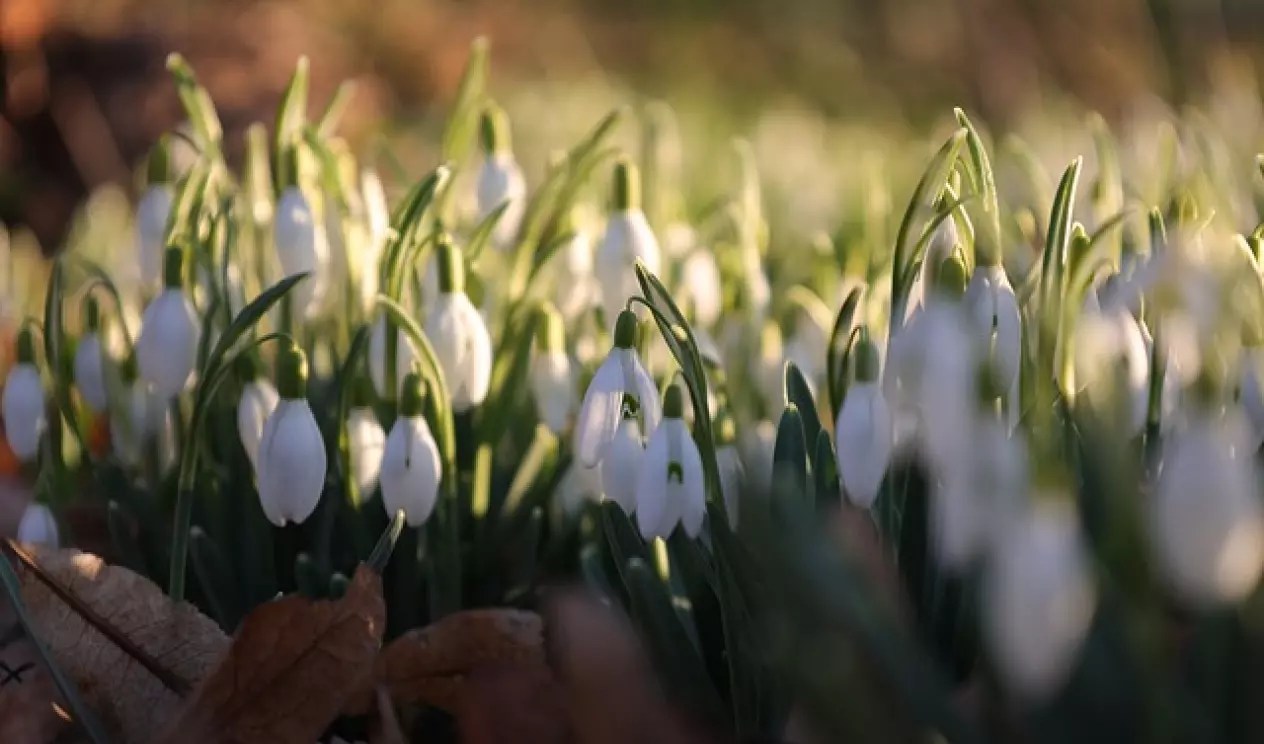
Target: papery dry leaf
[
  {"x": 290, "y": 669},
  {"x": 385, "y": 728},
  {"x": 609, "y": 688},
  {"x": 512, "y": 704},
  {"x": 27, "y": 691},
  {"x": 430, "y": 664},
  {"x": 128, "y": 648}
]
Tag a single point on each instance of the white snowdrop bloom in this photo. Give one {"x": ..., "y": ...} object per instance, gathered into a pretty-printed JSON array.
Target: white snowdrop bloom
[
  {"x": 864, "y": 430},
  {"x": 939, "y": 249},
  {"x": 90, "y": 360},
  {"x": 1252, "y": 394},
  {"x": 38, "y": 526},
  {"x": 670, "y": 488},
  {"x": 1038, "y": 600},
  {"x": 552, "y": 375},
  {"x": 366, "y": 441},
  {"x": 579, "y": 485},
  {"x": 152, "y": 213},
  {"x": 700, "y": 289},
  {"x": 620, "y": 376},
  {"x": 291, "y": 463},
  {"x": 1107, "y": 342},
  {"x": 628, "y": 238},
  {"x": 621, "y": 465},
  {"x": 728, "y": 459},
  {"x": 166, "y": 351},
  {"x": 500, "y": 180},
  {"x": 572, "y": 269},
  {"x": 410, "y": 463},
  {"x": 756, "y": 444},
  {"x": 302, "y": 246},
  {"x": 1207, "y": 520},
  {"x": 993, "y": 306},
  {"x": 259, "y": 399},
  {"x": 679, "y": 239},
  {"x": 459, "y": 334},
  {"x": 377, "y": 214},
  {"x": 405, "y": 355},
  {"x": 141, "y": 417},
  {"x": 23, "y": 403}
]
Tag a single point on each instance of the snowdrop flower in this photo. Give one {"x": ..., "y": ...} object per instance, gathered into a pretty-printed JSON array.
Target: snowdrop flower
[
  {"x": 991, "y": 303},
  {"x": 90, "y": 360},
  {"x": 302, "y": 246},
  {"x": 406, "y": 355},
  {"x": 1106, "y": 341},
  {"x": 291, "y": 461},
  {"x": 152, "y": 214},
  {"x": 366, "y": 441},
  {"x": 700, "y": 288},
  {"x": 410, "y": 463},
  {"x": 139, "y": 417},
  {"x": 376, "y": 213},
  {"x": 628, "y": 238},
  {"x": 23, "y": 401},
  {"x": 621, "y": 465},
  {"x": 459, "y": 333},
  {"x": 573, "y": 275},
  {"x": 670, "y": 489},
  {"x": 1039, "y": 600},
  {"x": 38, "y": 526},
  {"x": 552, "y": 376},
  {"x": 619, "y": 380},
  {"x": 939, "y": 249},
  {"x": 167, "y": 348},
  {"x": 1207, "y": 520},
  {"x": 864, "y": 430},
  {"x": 500, "y": 180},
  {"x": 259, "y": 399}
]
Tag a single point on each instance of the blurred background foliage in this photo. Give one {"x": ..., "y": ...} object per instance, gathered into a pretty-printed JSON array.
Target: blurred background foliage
[{"x": 85, "y": 91}]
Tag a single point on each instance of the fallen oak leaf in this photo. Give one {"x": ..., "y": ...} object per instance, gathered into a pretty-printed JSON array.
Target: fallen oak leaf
[
  {"x": 131, "y": 652},
  {"x": 27, "y": 693},
  {"x": 430, "y": 665},
  {"x": 512, "y": 703},
  {"x": 289, "y": 671}
]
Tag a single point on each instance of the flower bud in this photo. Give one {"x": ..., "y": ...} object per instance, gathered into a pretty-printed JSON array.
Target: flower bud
[
  {"x": 23, "y": 401},
  {"x": 411, "y": 468},
  {"x": 292, "y": 463},
  {"x": 166, "y": 351}
]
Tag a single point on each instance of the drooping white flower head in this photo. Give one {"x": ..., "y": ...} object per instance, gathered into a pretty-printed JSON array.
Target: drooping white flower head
[
  {"x": 166, "y": 351},
  {"x": 23, "y": 402},
  {"x": 410, "y": 463},
  {"x": 405, "y": 355},
  {"x": 700, "y": 288},
  {"x": 991, "y": 303},
  {"x": 366, "y": 441},
  {"x": 139, "y": 418},
  {"x": 938, "y": 250},
  {"x": 864, "y": 430},
  {"x": 621, "y": 466},
  {"x": 153, "y": 211},
  {"x": 1208, "y": 524},
  {"x": 620, "y": 379},
  {"x": 458, "y": 333},
  {"x": 38, "y": 526},
  {"x": 579, "y": 484},
  {"x": 1039, "y": 600},
  {"x": 670, "y": 489},
  {"x": 500, "y": 180},
  {"x": 259, "y": 399},
  {"x": 291, "y": 464},
  {"x": 572, "y": 268},
  {"x": 552, "y": 375},
  {"x": 1106, "y": 342},
  {"x": 302, "y": 245},
  {"x": 628, "y": 237}
]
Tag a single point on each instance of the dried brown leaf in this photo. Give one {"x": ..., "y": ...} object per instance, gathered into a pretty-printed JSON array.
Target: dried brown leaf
[
  {"x": 512, "y": 703},
  {"x": 290, "y": 669},
  {"x": 385, "y": 728},
  {"x": 131, "y": 652},
  {"x": 430, "y": 664},
  {"x": 27, "y": 692}
]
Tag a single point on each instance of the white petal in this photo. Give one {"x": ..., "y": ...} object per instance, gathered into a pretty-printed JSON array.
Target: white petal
[
  {"x": 553, "y": 387},
  {"x": 38, "y": 526},
  {"x": 732, "y": 476},
  {"x": 258, "y": 399},
  {"x": 292, "y": 463},
  {"x": 645, "y": 390},
  {"x": 151, "y": 231},
  {"x": 90, "y": 372},
  {"x": 628, "y": 237},
  {"x": 656, "y": 514},
  {"x": 864, "y": 436},
  {"x": 622, "y": 466},
  {"x": 478, "y": 357},
  {"x": 405, "y": 354},
  {"x": 693, "y": 504},
  {"x": 500, "y": 180},
  {"x": 166, "y": 351},
  {"x": 410, "y": 470},
  {"x": 600, "y": 413},
  {"x": 367, "y": 442},
  {"x": 23, "y": 409}
]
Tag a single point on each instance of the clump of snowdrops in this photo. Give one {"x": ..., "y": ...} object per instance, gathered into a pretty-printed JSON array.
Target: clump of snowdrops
[{"x": 1040, "y": 398}]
